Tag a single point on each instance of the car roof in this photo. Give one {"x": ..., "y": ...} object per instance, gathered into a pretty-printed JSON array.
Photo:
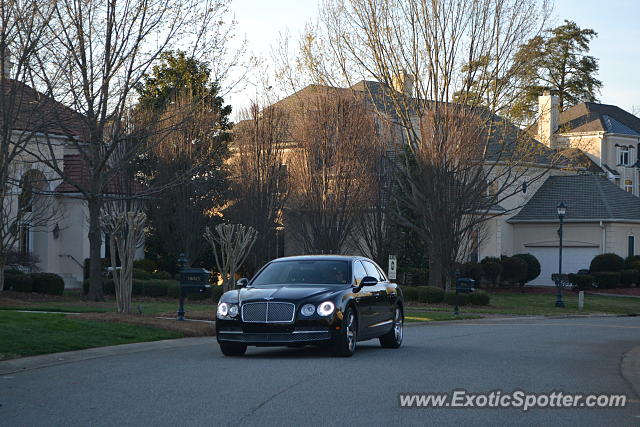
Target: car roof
[{"x": 320, "y": 257}]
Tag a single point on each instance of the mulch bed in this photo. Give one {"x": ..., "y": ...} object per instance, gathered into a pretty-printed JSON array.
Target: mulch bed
[{"x": 190, "y": 329}]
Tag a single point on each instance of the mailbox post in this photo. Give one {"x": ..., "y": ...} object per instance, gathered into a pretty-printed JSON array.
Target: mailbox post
[
  {"x": 464, "y": 285},
  {"x": 191, "y": 280}
]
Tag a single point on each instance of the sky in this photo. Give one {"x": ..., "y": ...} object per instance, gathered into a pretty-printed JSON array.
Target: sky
[{"x": 617, "y": 46}]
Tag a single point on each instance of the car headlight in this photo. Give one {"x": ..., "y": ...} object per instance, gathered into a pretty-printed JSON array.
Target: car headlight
[
  {"x": 233, "y": 310},
  {"x": 307, "y": 310},
  {"x": 223, "y": 309},
  {"x": 326, "y": 308}
]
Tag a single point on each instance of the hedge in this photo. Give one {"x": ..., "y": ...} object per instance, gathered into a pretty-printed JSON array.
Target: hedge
[
  {"x": 410, "y": 293},
  {"x": 430, "y": 294},
  {"x": 491, "y": 270},
  {"x": 606, "y": 279},
  {"x": 606, "y": 262},
  {"x": 18, "y": 282},
  {"x": 514, "y": 269},
  {"x": 581, "y": 281},
  {"x": 479, "y": 298},
  {"x": 472, "y": 270},
  {"x": 145, "y": 264},
  {"x": 47, "y": 283},
  {"x": 148, "y": 288},
  {"x": 533, "y": 266},
  {"x": 451, "y": 298},
  {"x": 631, "y": 261},
  {"x": 629, "y": 277}
]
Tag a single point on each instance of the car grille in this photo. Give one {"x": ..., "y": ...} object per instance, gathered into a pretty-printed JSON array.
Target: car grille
[
  {"x": 268, "y": 312},
  {"x": 302, "y": 336}
]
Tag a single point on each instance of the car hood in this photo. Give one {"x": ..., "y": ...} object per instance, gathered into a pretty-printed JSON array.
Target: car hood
[{"x": 291, "y": 293}]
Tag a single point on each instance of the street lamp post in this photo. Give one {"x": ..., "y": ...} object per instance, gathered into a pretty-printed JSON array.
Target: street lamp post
[{"x": 562, "y": 210}]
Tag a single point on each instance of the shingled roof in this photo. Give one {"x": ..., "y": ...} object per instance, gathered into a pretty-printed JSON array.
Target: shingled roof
[
  {"x": 588, "y": 198},
  {"x": 593, "y": 117}
]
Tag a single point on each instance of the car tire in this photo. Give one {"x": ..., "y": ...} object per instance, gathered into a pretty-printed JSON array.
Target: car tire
[
  {"x": 232, "y": 349},
  {"x": 344, "y": 343},
  {"x": 393, "y": 338}
]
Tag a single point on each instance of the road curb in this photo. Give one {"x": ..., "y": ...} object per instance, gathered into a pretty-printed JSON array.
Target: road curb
[
  {"x": 46, "y": 360},
  {"x": 631, "y": 368}
]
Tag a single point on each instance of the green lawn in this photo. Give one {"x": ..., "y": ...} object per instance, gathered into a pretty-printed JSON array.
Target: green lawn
[
  {"x": 422, "y": 316},
  {"x": 543, "y": 304},
  {"x": 148, "y": 308},
  {"x": 28, "y": 334}
]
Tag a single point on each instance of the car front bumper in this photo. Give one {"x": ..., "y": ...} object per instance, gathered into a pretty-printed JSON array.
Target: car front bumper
[{"x": 265, "y": 334}]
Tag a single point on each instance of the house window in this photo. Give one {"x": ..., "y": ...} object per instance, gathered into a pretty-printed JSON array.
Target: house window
[
  {"x": 623, "y": 158},
  {"x": 25, "y": 240},
  {"x": 632, "y": 245},
  {"x": 628, "y": 185}
]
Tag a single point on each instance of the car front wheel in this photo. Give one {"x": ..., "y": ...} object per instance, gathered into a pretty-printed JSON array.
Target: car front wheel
[
  {"x": 344, "y": 344},
  {"x": 393, "y": 338},
  {"x": 232, "y": 349}
]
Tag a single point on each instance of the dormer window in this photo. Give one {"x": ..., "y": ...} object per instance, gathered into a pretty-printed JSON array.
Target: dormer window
[{"x": 623, "y": 155}]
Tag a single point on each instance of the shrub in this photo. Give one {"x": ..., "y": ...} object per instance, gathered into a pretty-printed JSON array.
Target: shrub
[
  {"x": 155, "y": 288},
  {"x": 606, "y": 279},
  {"x": 491, "y": 270},
  {"x": 461, "y": 298},
  {"x": 533, "y": 266},
  {"x": 145, "y": 264},
  {"x": 415, "y": 276},
  {"x": 14, "y": 271},
  {"x": 430, "y": 294},
  {"x": 479, "y": 298},
  {"x": 472, "y": 270},
  {"x": 142, "y": 274},
  {"x": 199, "y": 296},
  {"x": 173, "y": 290},
  {"x": 216, "y": 292},
  {"x": 633, "y": 265},
  {"x": 18, "y": 282},
  {"x": 631, "y": 260},
  {"x": 629, "y": 277},
  {"x": 514, "y": 269},
  {"x": 581, "y": 281},
  {"x": 410, "y": 293},
  {"x": 47, "y": 283},
  {"x": 162, "y": 275},
  {"x": 607, "y": 262},
  {"x": 491, "y": 259}
]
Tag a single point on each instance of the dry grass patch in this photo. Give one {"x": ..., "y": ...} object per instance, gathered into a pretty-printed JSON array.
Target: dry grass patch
[{"x": 189, "y": 329}]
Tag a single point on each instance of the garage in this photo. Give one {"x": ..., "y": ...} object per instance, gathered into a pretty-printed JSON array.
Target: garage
[{"x": 573, "y": 259}]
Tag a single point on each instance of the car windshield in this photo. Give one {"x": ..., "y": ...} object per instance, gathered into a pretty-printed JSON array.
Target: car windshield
[{"x": 313, "y": 272}]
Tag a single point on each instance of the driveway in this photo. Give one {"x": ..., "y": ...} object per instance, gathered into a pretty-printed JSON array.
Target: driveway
[{"x": 195, "y": 385}]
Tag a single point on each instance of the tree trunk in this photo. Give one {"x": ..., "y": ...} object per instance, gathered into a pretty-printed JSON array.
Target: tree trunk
[
  {"x": 2, "y": 264},
  {"x": 95, "y": 242}
]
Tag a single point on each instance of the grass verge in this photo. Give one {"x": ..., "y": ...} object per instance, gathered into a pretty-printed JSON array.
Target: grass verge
[
  {"x": 421, "y": 316},
  {"x": 29, "y": 334}
]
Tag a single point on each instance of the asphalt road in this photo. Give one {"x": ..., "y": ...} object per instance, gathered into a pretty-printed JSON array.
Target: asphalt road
[{"x": 196, "y": 385}]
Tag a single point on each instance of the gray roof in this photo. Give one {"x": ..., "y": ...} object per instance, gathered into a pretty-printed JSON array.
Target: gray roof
[
  {"x": 594, "y": 117},
  {"x": 587, "y": 197}
]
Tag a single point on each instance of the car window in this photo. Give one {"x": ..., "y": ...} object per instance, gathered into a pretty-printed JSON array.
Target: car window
[
  {"x": 383, "y": 277},
  {"x": 372, "y": 270},
  {"x": 358, "y": 272},
  {"x": 304, "y": 271}
]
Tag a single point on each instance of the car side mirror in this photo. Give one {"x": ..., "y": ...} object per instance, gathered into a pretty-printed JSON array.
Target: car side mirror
[
  {"x": 368, "y": 281},
  {"x": 241, "y": 283}
]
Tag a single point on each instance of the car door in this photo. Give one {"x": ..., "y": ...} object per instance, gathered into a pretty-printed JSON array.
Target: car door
[
  {"x": 365, "y": 301},
  {"x": 382, "y": 312}
]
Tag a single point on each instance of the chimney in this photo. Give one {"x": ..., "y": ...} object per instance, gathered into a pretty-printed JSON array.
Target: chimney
[
  {"x": 404, "y": 83},
  {"x": 548, "y": 119}
]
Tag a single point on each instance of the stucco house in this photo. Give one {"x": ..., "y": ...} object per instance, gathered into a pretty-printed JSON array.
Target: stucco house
[{"x": 597, "y": 178}]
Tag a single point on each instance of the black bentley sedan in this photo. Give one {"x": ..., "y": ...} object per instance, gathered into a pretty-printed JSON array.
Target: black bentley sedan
[{"x": 326, "y": 300}]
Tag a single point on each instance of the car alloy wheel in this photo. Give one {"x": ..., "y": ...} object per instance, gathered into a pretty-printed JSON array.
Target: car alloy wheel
[
  {"x": 393, "y": 338},
  {"x": 345, "y": 340},
  {"x": 351, "y": 333}
]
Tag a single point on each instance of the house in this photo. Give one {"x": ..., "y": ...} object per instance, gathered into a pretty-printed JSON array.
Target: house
[
  {"x": 595, "y": 172},
  {"x": 55, "y": 238}
]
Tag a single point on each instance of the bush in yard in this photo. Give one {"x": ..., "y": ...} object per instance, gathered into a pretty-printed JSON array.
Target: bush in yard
[
  {"x": 199, "y": 296},
  {"x": 629, "y": 277},
  {"x": 18, "y": 282},
  {"x": 173, "y": 290},
  {"x": 451, "y": 298},
  {"x": 479, "y": 298},
  {"x": 216, "y": 292},
  {"x": 631, "y": 260},
  {"x": 581, "y": 281},
  {"x": 142, "y": 274},
  {"x": 47, "y": 283},
  {"x": 606, "y": 279},
  {"x": 162, "y": 275},
  {"x": 607, "y": 262},
  {"x": 514, "y": 270},
  {"x": 472, "y": 270},
  {"x": 430, "y": 294},
  {"x": 533, "y": 266},
  {"x": 491, "y": 270},
  {"x": 155, "y": 288},
  {"x": 490, "y": 259},
  {"x": 145, "y": 264},
  {"x": 410, "y": 293}
]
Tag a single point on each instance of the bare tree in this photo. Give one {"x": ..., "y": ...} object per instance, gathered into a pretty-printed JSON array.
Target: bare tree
[
  {"x": 331, "y": 168},
  {"x": 260, "y": 174},
  {"x": 96, "y": 53},
  {"x": 459, "y": 163},
  {"x": 231, "y": 244}
]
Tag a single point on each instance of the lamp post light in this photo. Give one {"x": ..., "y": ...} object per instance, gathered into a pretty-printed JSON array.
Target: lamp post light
[{"x": 562, "y": 210}]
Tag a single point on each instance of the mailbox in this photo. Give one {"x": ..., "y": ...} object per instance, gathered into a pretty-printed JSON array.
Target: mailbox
[
  {"x": 463, "y": 285},
  {"x": 194, "y": 280}
]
